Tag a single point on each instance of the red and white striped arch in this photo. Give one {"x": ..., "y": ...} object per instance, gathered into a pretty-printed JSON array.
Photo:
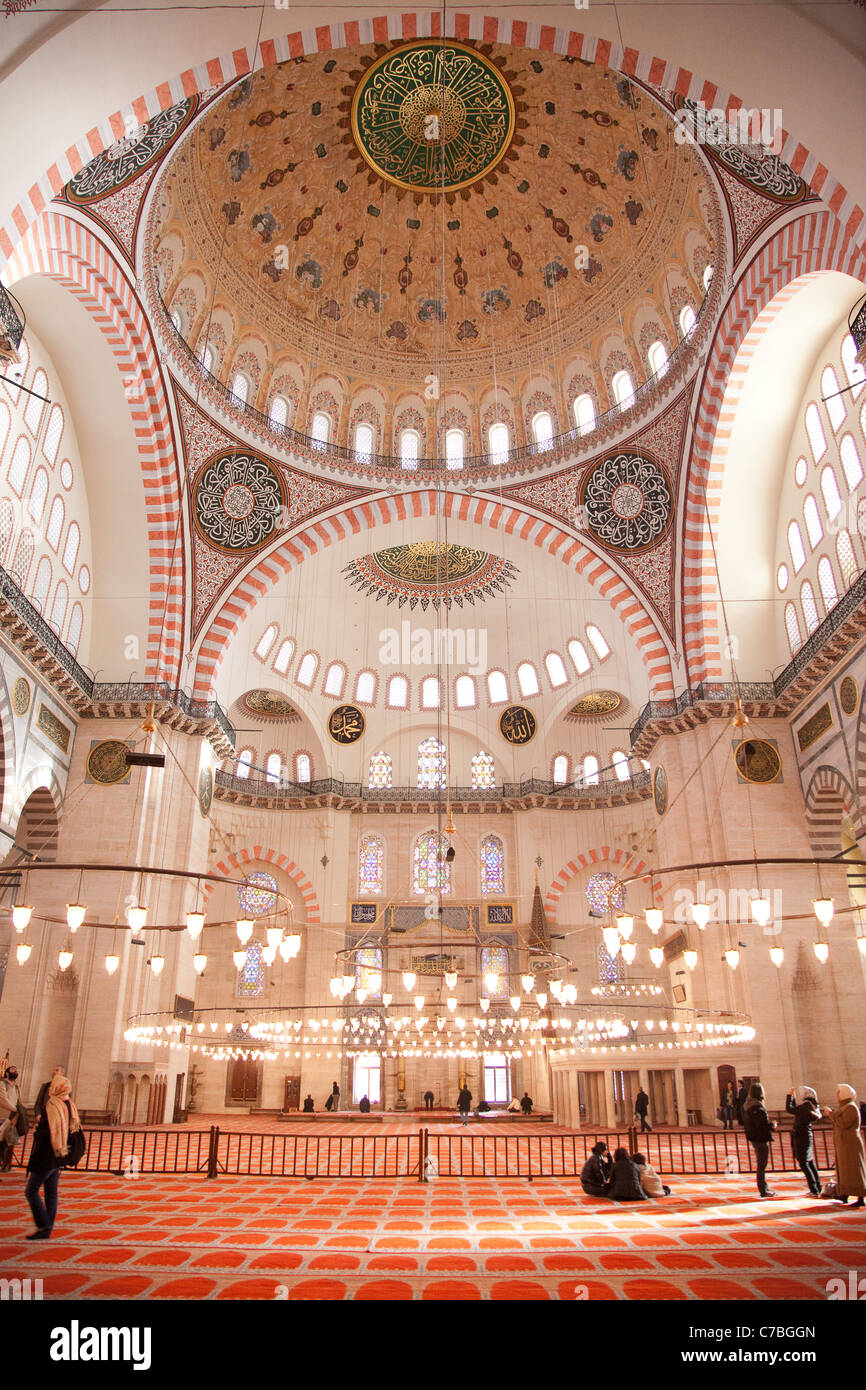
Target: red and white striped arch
[
  {"x": 799, "y": 251},
  {"x": 214, "y": 73},
  {"x": 68, "y": 252},
  {"x": 480, "y": 511},
  {"x": 261, "y": 854},
  {"x": 604, "y": 856},
  {"x": 828, "y": 798}
]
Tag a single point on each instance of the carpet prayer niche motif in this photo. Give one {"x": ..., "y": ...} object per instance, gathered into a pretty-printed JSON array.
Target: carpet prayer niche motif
[{"x": 430, "y": 572}]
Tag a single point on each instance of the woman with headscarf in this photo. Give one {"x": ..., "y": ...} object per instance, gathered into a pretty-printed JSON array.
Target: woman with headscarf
[
  {"x": 57, "y": 1122},
  {"x": 802, "y": 1103},
  {"x": 850, "y": 1154}
]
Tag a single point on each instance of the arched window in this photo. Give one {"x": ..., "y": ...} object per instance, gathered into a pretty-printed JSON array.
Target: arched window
[
  {"x": 23, "y": 559},
  {"x": 431, "y": 695},
  {"x": 560, "y": 769},
  {"x": 51, "y": 442},
  {"x": 801, "y": 471},
  {"x": 273, "y": 767},
  {"x": 58, "y": 610},
  {"x": 853, "y": 370},
  {"x": 70, "y": 550},
  {"x": 432, "y": 764},
  {"x": 380, "y": 772},
  {"x": 279, "y": 413},
  {"x": 597, "y": 642},
  {"x": 556, "y": 672},
  {"x": 307, "y": 669},
  {"x": 207, "y": 357},
  {"x": 242, "y": 767},
  {"x": 303, "y": 767},
  {"x": 464, "y": 692},
  {"x": 827, "y": 583},
  {"x": 76, "y": 622},
  {"x": 41, "y": 584},
  {"x": 498, "y": 442},
  {"x": 851, "y": 465},
  {"x": 687, "y": 320},
  {"x": 398, "y": 692},
  {"x": 584, "y": 414},
  {"x": 658, "y": 357},
  {"x": 335, "y": 678},
  {"x": 430, "y": 869},
  {"x": 483, "y": 772},
  {"x": 38, "y": 496},
  {"x": 815, "y": 431},
  {"x": 795, "y": 546},
  {"x": 830, "y": 394},
  {"x": 809, "y": 606},
  {"x": 580, "y": 660},
  {"x": 266, "y": 641},
  {"x": 814, "y": 529},
  {"x": 542, "y": 429},
  {"x": 19, "y": 465},
  {"x": 365, "y": 688},
  {"x": 492, "y": 865},
  {"x": 590, "y": 770},
  {"x": 792, "y": 627},
  {"x": 830, "y": 490},
  {"x": 7, "y": 527},
  {"x": 284, "y": 655},
  {"x": 251, "y": 976},
  {"x": 410, "y": 448},
  {"x": 623, "y": 390},
  {"x": 176, "y": 320},
  {"x": 609, "y": 967},
  {"x": 455, "y": 445},
  {"x": 620, "y": 763},
  {"x": 321, "y": 430},
  {"x": 34, "y": 409},
  {"x": 368, "y": 976},
  {"x": 364, "y": 442},
  {"x": 497, "y": 687},
  {"x": 708, "y": 275},
  {"x": 846, "y": 558},
  {"x": 527, "y": 678},
  {"x": 241, "y": 388},
  {"x": 494, "y": 972}
]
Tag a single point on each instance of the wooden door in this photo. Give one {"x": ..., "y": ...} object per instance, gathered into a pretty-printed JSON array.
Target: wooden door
[
  {"x": 244, "y": 1081},
  {"x": 292, "y": 1097},
  {"x": 725, "y": 1075},
  {"x": 178, "y": 1115}
]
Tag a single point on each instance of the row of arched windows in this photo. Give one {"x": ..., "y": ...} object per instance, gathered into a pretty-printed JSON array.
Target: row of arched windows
[
  {"x": 588, "y": 772},
  {"x": 275, "y": 769},
  {"x": 431, "y": 871}
]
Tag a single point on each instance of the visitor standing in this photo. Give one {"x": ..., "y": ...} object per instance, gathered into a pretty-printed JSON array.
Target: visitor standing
[
  {"x": 759, "y": 1132},
  {"x": 335, "y": 1098},
  {"x": 428, "y": 1100},
  {"x": 850, "y": 1155},
  {"x": 641, "y": 1108},
  {"x": 464, "y": 1103},
  {"x": 729, "y": 1101},
  {"x": 802, "y": 1103},
  {"x": 10, "y": 1104},
  {"x": 742, "y": 1097},
  {"x": 56, "y": 1142}
]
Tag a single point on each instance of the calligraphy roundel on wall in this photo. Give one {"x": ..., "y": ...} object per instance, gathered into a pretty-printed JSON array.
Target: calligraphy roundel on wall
[
  {"x": 129, "y": 156},
  {"x": 626, "y": 502},
  {"x": 517, "y": 724},
  {"x": 848, "y": 695},
  {"x": 346, "y": 724},
  {"x": 660, "y": 790},
  {"x": 21, "y": 696},
  {"x": 205, "y": 790},
  {"x": 106, "y": 762},
  {"x": 239, "y": 501}
]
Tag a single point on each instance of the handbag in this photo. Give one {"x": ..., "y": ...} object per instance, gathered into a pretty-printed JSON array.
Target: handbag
[{"x": 76, "y": 1150}]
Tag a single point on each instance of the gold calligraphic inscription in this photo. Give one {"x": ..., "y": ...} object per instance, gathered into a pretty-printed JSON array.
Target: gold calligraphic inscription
[
  {"x": 51, "y": 725},
  {"x": 517, "y": 724},
  {"x": 346, "y": 724},
  {"x": 21, "y": 696},
  {"x": 660, "y": 790},
  {"x": 106, "y": 762},
  {"x": 757, "y": 760},
  {"x": 820, "y": 722},
  {"x": 205, "y": 790},
  {"x": 433, "y": 116},
  {"x": 599, "y": 704},
  {"x": 847, "y": 695},
  {"x": 268, "y": 705},
  {"x": 430, "y": 562}
]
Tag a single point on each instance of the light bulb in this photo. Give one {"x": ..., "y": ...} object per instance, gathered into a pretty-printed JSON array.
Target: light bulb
[
  {"x": 629, "y": 951},
  {"x": 136, "y": 917},
  {"x": 240, "y": 959},
  {"x": 419, "y": 1002},
  {"x": 514, "y": 1001},
  {"x": 450, "y": 979},
  {"x": 624, "y": 925},
  {"x": 157, "y": 964},
  {"x": 21, "y": 916},
  {"x": 700, "y": 915},
  {"x": 195, "y": 924},
  {"x": 75, "y": 914},
  {"x": 612, "y": 940},
  {"x": 452, "y": 1003},
  {"x": 690, "y": 958},
  {"x": 199, "y": 962},
  {"x": 386, "y": 1000},
  {"x": 22, "y": 952},
  {"x": 409, "y": 978},
  {"x": 733, "y": 958},
  {"x": 284, "y": 950},
  {"x": 64, "y": 959},
  {"x": 484, "y": 1005},
  {"x": 274, "y": 935},
  {"x": 112, "y": 962},
  {"x": 823, "y": 910},
  {"x": 777, "y": 955},
  {"x": 822, "y": 951},
  {"x": 654, "y": 918},
  {"x": 657, "y": 955},
  {"x": 760, "y": 909}
]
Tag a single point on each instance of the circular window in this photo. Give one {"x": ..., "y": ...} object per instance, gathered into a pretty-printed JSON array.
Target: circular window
[
  {"x": 258, "y": 894},
  {"x": 604, "y": 893},
  {"x": 66, "y": 474},
  {"x": 84, "y": 579},
  {"x": 801, "y": 472},
  {"x": 782, "y": 577}
]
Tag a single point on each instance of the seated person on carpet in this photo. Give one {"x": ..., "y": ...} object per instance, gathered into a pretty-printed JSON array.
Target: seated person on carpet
[
  {"x": 513, "y": 1105},
  {"x": 309, "y": 1104},
  {"x": 364, "y": 1105},
  {"x": 625, "y": 1185},
  {"x": 649, "y": 1178},
  {"x": 595, "y": 1174},
  {"x": 482, "y": 1107},
  {"x": 526, "y": 1103}
]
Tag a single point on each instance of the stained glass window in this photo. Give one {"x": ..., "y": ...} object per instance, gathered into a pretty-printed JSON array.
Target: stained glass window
[
  {"x": 371, "y": 856},
  {"x": 380, "y": 773},
  {"x": 609, "y": 967},
  {"x": 492, "y": 865},
  {"x": 431, "y": 763},
  {"x": 483, "y": 774},
  {"x": 258, "y": 894},
  {"x": 368, "y": 971},
  {"x": 604, "y": 893},
  {"x": 430, "y": 869},
  {"x": 494, "y": 962},
  {"x": 251, "y": 976}
]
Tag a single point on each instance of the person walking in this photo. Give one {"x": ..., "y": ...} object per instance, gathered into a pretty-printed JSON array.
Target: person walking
[
  {"x": 729, "y": 1101},
  {"x": 428, "y": 1100},
  {"x": 464, "y": 1103},
  {"x": 57, "y": 1140},
  {"x": 802, "y": 1103},
  {"x": 625, "y": 1183},
  {"x": 641, "y": 1107},
  {"x": 850, "y": 1154},
  {"x": 759, "y": 1132},
  {"x": 10, "y": 1102},
  {"x": 595, "y": 1173}
]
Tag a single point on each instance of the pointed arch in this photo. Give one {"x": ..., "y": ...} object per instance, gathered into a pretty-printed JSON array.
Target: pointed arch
[
  {"x": 604, "y": 854},
  {"x": 261, "y": 854},
  {"x": 829, "y": 797}
]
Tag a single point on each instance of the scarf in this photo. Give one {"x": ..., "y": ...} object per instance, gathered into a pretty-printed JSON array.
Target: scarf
[
  {"x": 844, "y": 1092},
  {"x": 61, "y": 1114},
  {"x": 802, "y": 1093}
]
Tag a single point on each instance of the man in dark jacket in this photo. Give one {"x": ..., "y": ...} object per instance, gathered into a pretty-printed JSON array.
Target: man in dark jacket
[
  {"x": 625, "y": 1183},
  {"x": 364, "y": 1105},
  {"x": 641, "y": 1106},
  {"x": 464, "y": 1103},
  {"x": 742, "y": 1097},
  {"x": 759, "y": 1132},
  {"x": 595, "y": 1173},
  {"x": 526, "y": 1103},
  {"x": 428, "y": 1100}
]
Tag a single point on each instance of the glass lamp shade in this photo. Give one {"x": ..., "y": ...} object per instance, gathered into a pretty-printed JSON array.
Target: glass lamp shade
[
  {"x": 157, "y": 964},
  {"x": 64, "y": 959},
  {"x": 21, "y": 915},
  {"x": 409, "y": 978},
  {"x": 22, "y": 952},
  {"x": 75, "y": 914},
  {"x": 492, "y": 982},
  {"x": 112, "y": 963},
  {"x": 283, "y": 949},
  {"x": 244, "y": 929},
  {"x": 386, "y": 1000},
  {"x": 541, "y": 1000},
  {"x": 777, "y": 955},
  {"x": 452, "y": 1003},
  {"x": 199, "y": 962},
  {"x": 484, "y": 1005},
  {"x": 274, "y": 935},
  {"x": 700, "y": 915},
  {"x": 293, "y": 940},
  {"x": 195, "y": 924},
  {"x": 136, "y": 917},
  {"x": 555, "y": 986},
  {"x": 629, "y": 951},
  {"x": 760, "y": 909},
  {"x": 514, "y": 1001},
  {"x": 450, "y": 979},
  {"x": 240, "y": 959},
  {"x": 654, "y": 918},
  {"x": 861, "y": 945},
  {"x": 419, "y": 1002},
  {"x": 360, "y": 994},
  {"x": 336, "y": 985},
  {"x": 625, "y": 925},
  {"x": 690, "y": 958},
  {"x": 374, "y": 983},
  {"x": 612, "y": 940},
  {"x": 733, "y": 958},
  {"x": 822, "y": 951},
  {"x": 348, "y": 983},
  {"x": 823, "y": 910},
  {"x": 269, "y": 954},
  {"x": 528, "y": 982},
  {"x": 657, "y": 955}
]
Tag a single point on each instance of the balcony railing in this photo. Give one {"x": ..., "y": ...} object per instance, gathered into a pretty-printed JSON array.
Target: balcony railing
[
  {"x": 260, "y": 787},
  {"x": 11, "y": 322}
]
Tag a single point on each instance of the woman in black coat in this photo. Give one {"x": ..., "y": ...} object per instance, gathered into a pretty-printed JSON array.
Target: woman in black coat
[
  {"x": 625, "y": 1183},
  {"x": 58, "y": 1122},
  {"x": 802, "y": 1103}
]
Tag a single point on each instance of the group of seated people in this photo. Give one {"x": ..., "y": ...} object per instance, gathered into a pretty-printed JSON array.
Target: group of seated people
[{"x": 624, "y": 1177}]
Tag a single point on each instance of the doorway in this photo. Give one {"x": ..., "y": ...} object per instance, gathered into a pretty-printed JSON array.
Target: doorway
[{"x": 243, "y": 1082}]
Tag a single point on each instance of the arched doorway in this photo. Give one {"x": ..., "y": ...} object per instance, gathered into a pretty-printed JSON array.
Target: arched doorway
[{"x": 38, "y": 826}]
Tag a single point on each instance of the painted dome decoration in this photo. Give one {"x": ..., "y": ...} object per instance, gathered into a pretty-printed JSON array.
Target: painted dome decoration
[
  {"x": 596, "y": 706},
  {"x": 627, "y": 502},
  {"x": 268, "y": 707},
  {"x": 430, "y": 572},
  {"x": 239, "y": 500}
]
